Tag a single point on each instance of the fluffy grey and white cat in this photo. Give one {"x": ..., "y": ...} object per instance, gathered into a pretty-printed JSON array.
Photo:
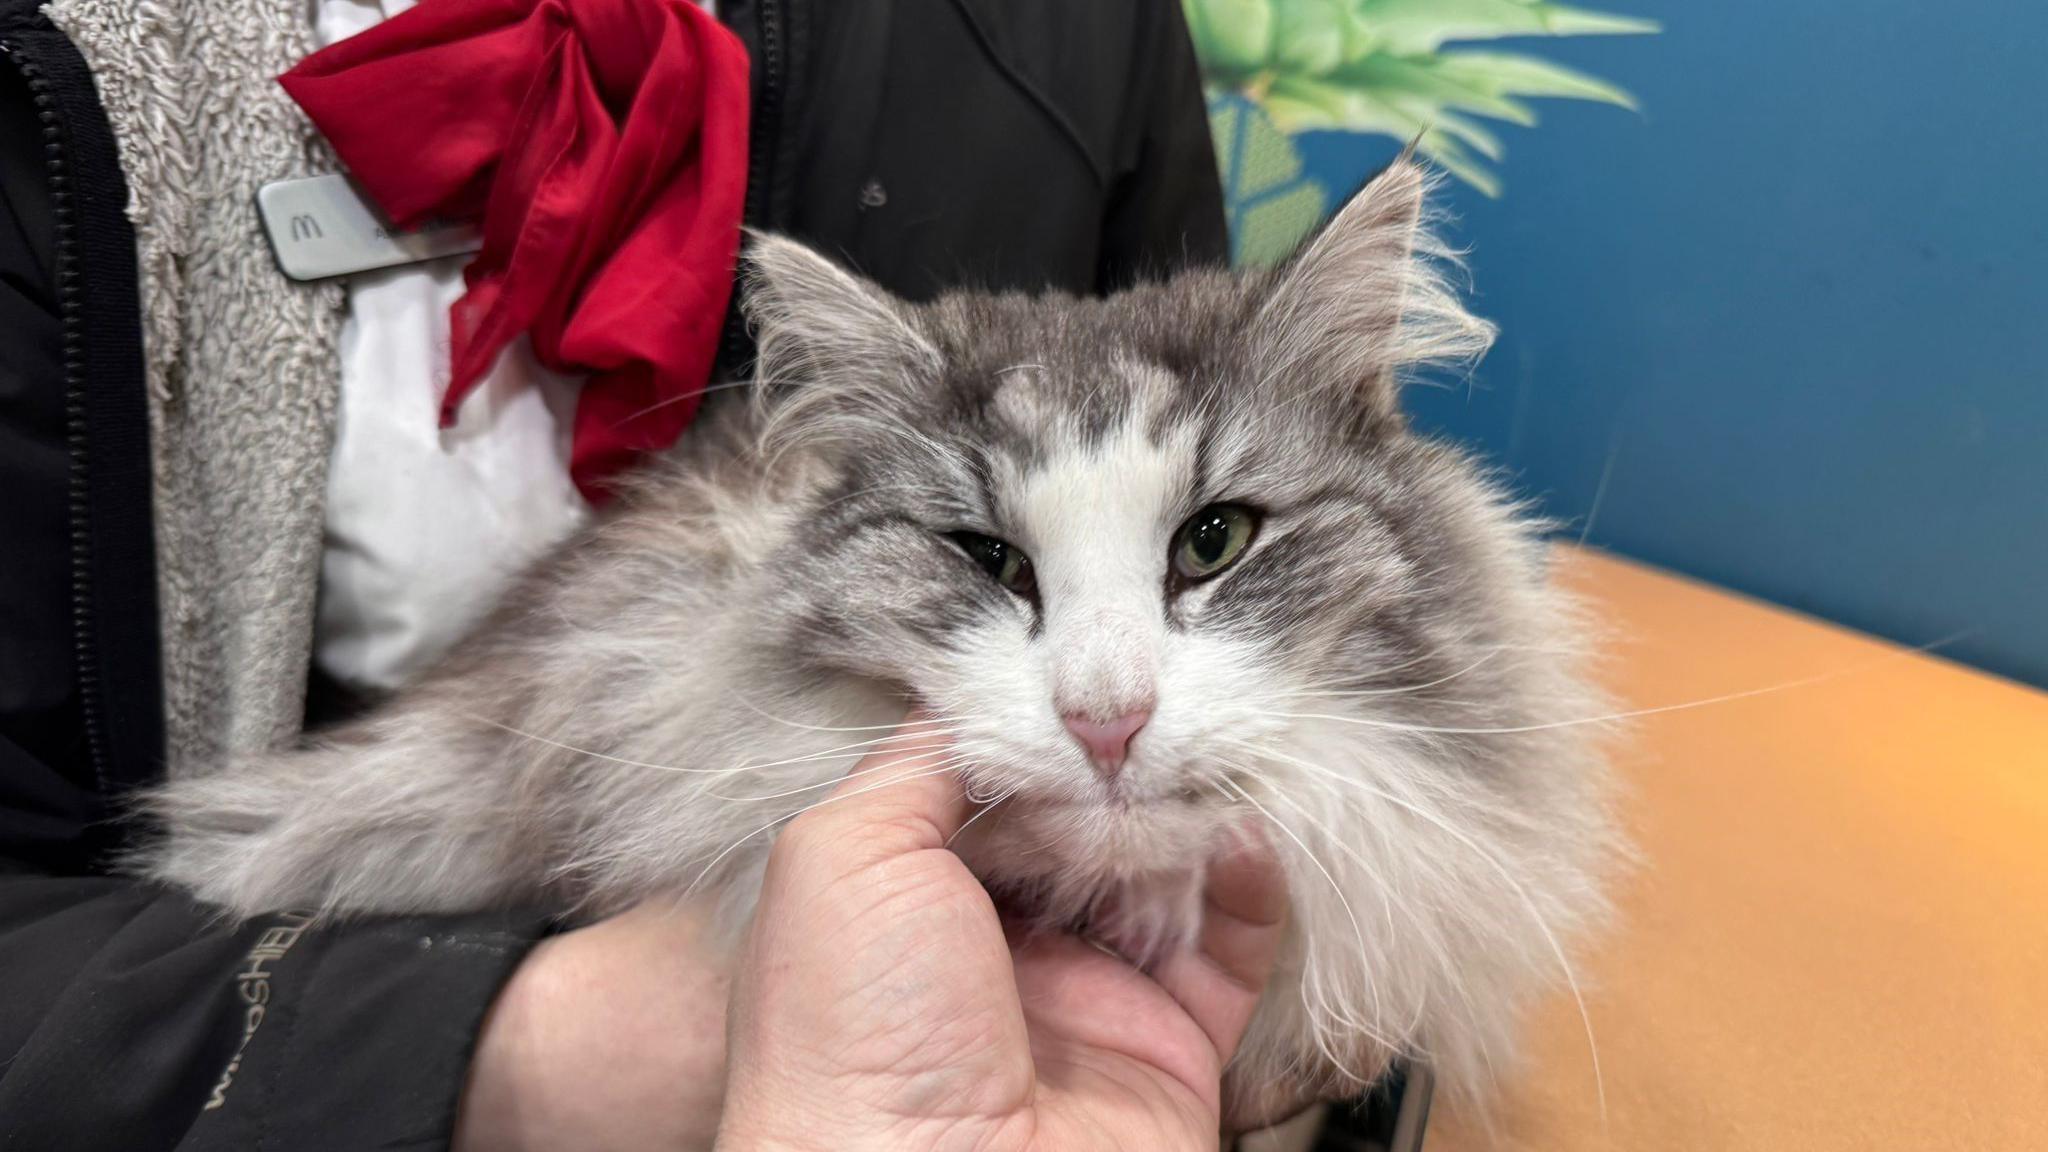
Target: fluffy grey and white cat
[{"x": 1159, "y": 564}]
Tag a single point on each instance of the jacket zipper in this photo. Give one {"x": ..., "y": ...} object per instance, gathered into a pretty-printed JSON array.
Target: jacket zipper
[
  {"x": 760, "y": 162},
  {"x": 70, "y": 309}
]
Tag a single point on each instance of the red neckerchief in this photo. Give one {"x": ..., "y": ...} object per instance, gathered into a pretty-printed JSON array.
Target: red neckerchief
[{"x": 603, "y": 144}]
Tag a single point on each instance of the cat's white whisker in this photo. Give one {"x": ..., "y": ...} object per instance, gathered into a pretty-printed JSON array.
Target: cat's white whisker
[
  {"x": 872, "y": 490},
  {"x": 1378, "y": 881},
  {"x": 908, "y": 752},
  {"x": 1401, "y": 690},
  {"x": 788, "y": 816},
  {"x": 1610, "y": 718},
  {"x": 987, "y": 807},
  {"x": 677, "y": 768},
  {"x": 1372, "y": 873},
  {"x": 1637, "y": 713},
  {"x": 1536, "y": 917},
  {"x": 594, "y": 755},
  {"x": 788, "y": 723},
  {"x": 1600, "y": 489},
  {"x": 1371, "y": 1032},
  {"x": 1491, "y": 650},
  {"x": 682, "y": 399}
]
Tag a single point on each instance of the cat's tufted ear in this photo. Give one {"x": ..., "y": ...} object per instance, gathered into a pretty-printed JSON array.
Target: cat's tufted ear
[
  {"x": 826, "y": 337},
  {"x": 1367, "y": 298}
]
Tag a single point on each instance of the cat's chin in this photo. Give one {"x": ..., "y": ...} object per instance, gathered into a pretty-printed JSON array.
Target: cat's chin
[
  {"x": 1125, "y": 873},
  {"x": 1107, "y": 836},
  {"x": 1143, "y": 918}
]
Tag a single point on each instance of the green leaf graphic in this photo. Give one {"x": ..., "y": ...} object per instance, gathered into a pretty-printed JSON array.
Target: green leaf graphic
[
  {"x": 1381, "y": 67},
  {"x": 1272, "y": 204}
]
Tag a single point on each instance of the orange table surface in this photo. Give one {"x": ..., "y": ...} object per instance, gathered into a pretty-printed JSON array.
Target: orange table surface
[{"x": 1837, "y": 937}]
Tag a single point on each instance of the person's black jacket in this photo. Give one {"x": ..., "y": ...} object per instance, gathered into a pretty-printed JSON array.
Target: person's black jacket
[{"x": 927, "y": 142}]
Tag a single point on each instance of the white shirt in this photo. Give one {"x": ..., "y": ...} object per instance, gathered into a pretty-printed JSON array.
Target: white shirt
[{"x": 425, "y": 526}]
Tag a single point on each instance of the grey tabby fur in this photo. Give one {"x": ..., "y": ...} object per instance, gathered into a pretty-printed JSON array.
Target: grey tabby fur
[{"x": 1386, "y": 680}]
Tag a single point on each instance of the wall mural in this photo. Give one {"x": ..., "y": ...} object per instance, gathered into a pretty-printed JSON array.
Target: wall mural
[{"x": 1380, "y": 68}]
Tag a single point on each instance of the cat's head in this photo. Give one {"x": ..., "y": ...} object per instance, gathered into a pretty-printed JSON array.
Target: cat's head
[{"x": 1172, "y": 560}]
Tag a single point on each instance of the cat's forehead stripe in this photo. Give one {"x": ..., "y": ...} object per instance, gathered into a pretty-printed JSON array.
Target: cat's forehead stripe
[{"x": 1041, "y": 410}]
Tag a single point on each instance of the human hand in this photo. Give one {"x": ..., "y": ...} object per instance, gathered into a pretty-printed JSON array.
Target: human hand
[
  {"x": 611, "y": 1037},
  {"x": 878, "y": 1004}
]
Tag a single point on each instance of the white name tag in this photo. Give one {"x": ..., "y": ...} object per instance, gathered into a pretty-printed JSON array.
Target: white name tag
[{"x": 321, "y": 226}]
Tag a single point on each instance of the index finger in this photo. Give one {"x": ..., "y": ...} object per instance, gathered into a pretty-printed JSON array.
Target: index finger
[{"x": 1244, "y": 924}]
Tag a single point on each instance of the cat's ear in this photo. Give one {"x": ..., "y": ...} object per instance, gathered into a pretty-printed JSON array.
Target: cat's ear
[
  {"x": 1367, "y": 298},
  {"x": 826, "y": 336}
]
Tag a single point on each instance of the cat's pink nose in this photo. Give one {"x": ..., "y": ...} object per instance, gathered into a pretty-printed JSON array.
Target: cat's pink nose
[{"x": 1107, "y": 741}]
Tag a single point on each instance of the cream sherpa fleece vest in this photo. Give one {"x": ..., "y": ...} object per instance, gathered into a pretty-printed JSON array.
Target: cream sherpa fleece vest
[{"x": 242, "y": 363}]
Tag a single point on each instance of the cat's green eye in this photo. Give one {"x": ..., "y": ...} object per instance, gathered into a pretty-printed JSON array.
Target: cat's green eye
[
  {"x": 1003, "y": 561},
  {"x": 1212, "y": 540}
]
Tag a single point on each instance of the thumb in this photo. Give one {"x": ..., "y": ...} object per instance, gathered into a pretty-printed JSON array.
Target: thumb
[{"x": 903, "y": 797}]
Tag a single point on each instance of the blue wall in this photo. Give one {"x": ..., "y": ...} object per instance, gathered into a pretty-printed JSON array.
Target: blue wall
[{"x": 1796, "y": 311}]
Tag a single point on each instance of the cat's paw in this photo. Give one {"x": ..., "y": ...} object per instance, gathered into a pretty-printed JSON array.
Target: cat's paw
[{"x": 1147, "y": 918}]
